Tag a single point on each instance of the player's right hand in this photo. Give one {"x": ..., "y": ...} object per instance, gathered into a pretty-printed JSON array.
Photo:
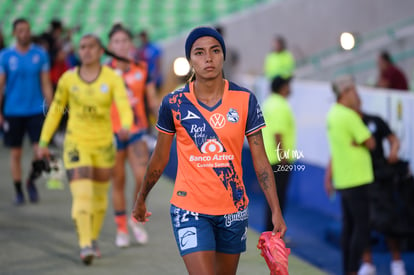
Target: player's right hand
[
  {"x": 43, "y": 152},
  {"x": 140, "y": 212}
]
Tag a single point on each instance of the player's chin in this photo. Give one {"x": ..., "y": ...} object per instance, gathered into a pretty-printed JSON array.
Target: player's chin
[{"x": 211, "y": 75}]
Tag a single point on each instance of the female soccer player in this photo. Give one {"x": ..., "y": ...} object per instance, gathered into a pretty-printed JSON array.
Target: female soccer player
[
  {"x": 141, "y": 90},
  {"x": 210, "y": 117},
  {"x": 89, "y": 153}
]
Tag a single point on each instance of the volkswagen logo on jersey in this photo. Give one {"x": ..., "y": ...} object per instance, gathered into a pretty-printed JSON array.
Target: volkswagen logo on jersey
[
  {"x": 211, "y": 146},
  {"x": 217, "y": 121},
  {"x": 232, "y": 116}
]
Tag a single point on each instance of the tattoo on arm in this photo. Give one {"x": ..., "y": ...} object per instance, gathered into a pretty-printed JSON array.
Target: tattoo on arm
[
  {"x": 150, "y": 180},
  {"x": 256, "y": 138},
  {"x": 256, "y": 141},
  {"x": 264, "y": 179}
]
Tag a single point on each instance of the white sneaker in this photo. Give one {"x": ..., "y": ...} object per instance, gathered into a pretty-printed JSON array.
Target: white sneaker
[
  {"x": 367, "y": 269},
  {"x": 139, "y": 231},
  {"x": 398, "y": 268},
  {"x": 122, "y": 239}
]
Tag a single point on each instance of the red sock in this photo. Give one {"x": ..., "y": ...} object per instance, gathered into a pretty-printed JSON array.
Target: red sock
[{"x": 121, "y": 223}]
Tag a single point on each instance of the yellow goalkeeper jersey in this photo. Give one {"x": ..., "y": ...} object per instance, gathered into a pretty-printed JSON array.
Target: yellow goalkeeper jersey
[{"x": 89, "y": 108}]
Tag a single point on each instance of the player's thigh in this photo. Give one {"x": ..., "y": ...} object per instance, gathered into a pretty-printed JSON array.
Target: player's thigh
[
  {"x": 231, "y": 233},
  {"x": 193, "y": 232},
  {"x": 102, "y": 174},
  {"x": 103, "y": 158},
  {"x": 200, "y": 263},
  {"x": 34, "y": 127},
  {"x": 119, "y": 168},
  {"x": 138, "y": 155},
  {"x": 226, "y": 264},
  {"x": 14, "y": 129},
  {"x": 77, "y": 160}
]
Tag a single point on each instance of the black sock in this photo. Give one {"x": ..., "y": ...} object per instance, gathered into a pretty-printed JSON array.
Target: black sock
[{"x": 18, "y": 187}]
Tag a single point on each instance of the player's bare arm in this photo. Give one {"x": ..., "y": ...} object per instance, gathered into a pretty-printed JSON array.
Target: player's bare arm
[
  {"x": 47, "y": 87},
  {"x": 157, "y": 163},
  {"x": 267, "y": 182}
]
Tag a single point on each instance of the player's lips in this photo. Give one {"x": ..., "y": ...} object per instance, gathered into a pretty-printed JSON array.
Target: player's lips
[{"x": 210, "y": 68}]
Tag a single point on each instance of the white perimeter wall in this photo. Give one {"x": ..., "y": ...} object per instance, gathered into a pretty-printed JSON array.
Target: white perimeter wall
[{"x": 311, "y": 102}]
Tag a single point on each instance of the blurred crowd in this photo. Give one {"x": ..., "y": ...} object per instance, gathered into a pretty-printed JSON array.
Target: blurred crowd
[{"x": 58, "y": 42}]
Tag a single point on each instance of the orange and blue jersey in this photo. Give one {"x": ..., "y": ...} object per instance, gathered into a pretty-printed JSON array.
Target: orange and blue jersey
[
  {"x": 209, "y": 147},
  {"x": 135, "y": 79}
]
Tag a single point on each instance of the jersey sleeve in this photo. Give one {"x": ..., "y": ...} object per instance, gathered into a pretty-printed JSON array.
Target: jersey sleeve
[
  {"x": 122, "y": 103},
  {"x": 165, "y": 123},
  {"x": 358, "y": 129},
  {"x": 55, "y": 113},
  {"x": 255, "y": 120},
  {"x": 2, "y": 63},
  {"x": 45, "y": 62}
]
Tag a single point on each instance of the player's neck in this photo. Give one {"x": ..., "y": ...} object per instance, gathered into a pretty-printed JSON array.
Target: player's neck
[
  {"x": 90, "y": 73},
  {"x": 209, "y": 92},
  {"x": 22, "y": 48},
  {"x": 123, "y": 66}
]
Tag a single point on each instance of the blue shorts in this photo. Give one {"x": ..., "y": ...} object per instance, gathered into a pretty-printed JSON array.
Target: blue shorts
[
  {"x": 123, "y": 144},
  {"x": 15, "y": 127},
  {"x": 199, "y": 232}
]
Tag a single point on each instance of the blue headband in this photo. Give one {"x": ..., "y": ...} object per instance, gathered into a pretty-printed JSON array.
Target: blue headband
[{"x": 201, "y": 32}]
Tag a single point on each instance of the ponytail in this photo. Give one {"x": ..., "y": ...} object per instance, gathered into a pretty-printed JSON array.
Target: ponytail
[{"x": 113, "y": 55}]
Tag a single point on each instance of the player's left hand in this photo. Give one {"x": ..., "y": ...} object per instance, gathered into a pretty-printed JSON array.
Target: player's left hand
[
  {"x": 279, "y": 223},
  {"x": 123, "y": 134}
]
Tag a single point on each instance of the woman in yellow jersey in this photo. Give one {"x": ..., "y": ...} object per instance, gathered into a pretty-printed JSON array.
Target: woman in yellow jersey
[
  {"x": 141, "y": 90},
  {"x": 89, "y": 153}
]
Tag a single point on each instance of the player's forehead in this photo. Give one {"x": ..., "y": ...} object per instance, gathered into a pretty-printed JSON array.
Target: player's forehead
[
  {"x": 22, "y": 25},
  {"x": 205, "y": 42},
  {"x": 88, "y": 41}
]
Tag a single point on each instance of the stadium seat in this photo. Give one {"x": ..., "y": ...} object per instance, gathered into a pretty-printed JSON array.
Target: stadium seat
[{"x": 162, "y": 18}]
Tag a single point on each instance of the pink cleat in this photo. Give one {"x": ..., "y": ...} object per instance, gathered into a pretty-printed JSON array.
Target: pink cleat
[{"x": 275, "y": 253}]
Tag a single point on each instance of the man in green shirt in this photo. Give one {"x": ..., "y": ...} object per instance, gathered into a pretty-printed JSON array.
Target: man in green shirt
[
  {"x": 279, "y": 137},
  {"x": 280, "y": 61},
  {"x": 350, "y": 170}
]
